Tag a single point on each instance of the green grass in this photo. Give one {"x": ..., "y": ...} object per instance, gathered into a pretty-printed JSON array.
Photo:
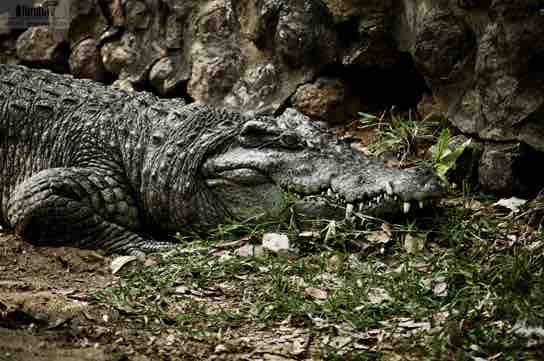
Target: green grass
[
  {"x": 461, "y": 297},
  {"x": 401, "y": 136}
]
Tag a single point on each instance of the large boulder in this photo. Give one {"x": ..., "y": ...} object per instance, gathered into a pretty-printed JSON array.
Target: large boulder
[
  {"x": 484, "y": 62},
  {"x": 40, "y": 46},
  {"x": 85, "y": 61}
]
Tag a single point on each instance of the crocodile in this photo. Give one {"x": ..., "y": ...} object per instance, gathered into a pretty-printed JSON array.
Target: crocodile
[{"x": 90, "y": 166}]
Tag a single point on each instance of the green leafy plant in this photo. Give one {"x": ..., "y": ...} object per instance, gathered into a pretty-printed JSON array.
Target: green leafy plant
[{"x": 445, "y": 155}]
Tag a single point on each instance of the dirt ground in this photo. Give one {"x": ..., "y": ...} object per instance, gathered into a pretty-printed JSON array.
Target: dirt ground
[{"x": 47, "y": 311}]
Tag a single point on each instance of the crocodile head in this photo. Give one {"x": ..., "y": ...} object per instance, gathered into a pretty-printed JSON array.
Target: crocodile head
[{"x": 290, "y": 161}]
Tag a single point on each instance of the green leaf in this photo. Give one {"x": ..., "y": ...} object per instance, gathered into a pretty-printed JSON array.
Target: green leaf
[
  {"x": 444, "y": 157},
  {"x": 364, "y": 115}
]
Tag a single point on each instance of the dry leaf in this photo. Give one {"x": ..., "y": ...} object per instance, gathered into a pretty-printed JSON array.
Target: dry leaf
[
  {"x": 298, "y": 281},
  {"x": 378, "y": 237},
  {"x": 248, "y": 250},
  {"x": 473, "y": 205},
  {"x": 414, "y": 324},
  {"x": 331, "y": 231},
  {"x": 386, "y": 227},
  {"x": 181, "y": 290},
  {"x": 440, "y": 289},
  {"x": 378, "y": 295},
  {"x": 335, "y": 263},
  {"x": 441, "y": 317},
  {"x": 309, "y": 234},
  {"x": 317, "y": 293},
  {"x": 118, "y": 263},
  {"x": 412, "y": 244},
  {"x": 300, "y": 345},
  {"x": 522, "y": 329}
]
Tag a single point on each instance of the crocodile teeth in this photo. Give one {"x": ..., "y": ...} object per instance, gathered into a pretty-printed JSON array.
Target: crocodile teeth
[
  {"x": 349, "y": 211},
  {"x": 420, "y": 204},
  {"x": 389, "y": 188},
  {"x": 361, "y": 206},
  {"x": 406, "y": 207},
  {"x": 330, "y": 192}
]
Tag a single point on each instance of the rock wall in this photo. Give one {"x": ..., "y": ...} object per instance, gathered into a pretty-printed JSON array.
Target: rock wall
[
  {"x": 483, "y": 60},
  {"x": 251, "y": 55}
]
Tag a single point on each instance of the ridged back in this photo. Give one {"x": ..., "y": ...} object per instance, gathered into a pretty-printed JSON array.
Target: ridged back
[{"x": 44, "y": 118}]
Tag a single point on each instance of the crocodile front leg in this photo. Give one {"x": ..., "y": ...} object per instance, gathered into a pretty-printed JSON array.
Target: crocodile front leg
[{"x": 76, "y": 207}]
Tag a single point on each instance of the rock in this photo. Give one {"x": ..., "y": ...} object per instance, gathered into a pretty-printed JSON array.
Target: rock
[
  {"x": 162, "y": 76},
  {"x": 85, "y": 61},
  {"x": 428, "y": 108},
  {"x": 160, "y": 73},
  {"x": 508, "y": 168},
  {"x": 304, "y": 33},
  {"x": 137, "y": 15},
  {"x": 213, "y": 77},
  {"x": 116, "y": 13},
  {"x": 483, "y": 61},
  {"x": 259, "y": 83},
  {"x": 365, "y": 32},
  {"x": 8, "y": 52},
  {"x": 116, "y": 55},
  {"x": 131, "y": 54},
  {"x": 496, "y": 171},
  {"x": 86, "y": 21},
  {"x": 443, "y": 45},
  {"x": 216, "y": 63},
  {"x": 124, "y": 84},
  {"x": 343, "y": 10},
  {"x": 248, "y": 56},
  {"x": 39, "y": 46},
  {"x": 324, "y": 99}
]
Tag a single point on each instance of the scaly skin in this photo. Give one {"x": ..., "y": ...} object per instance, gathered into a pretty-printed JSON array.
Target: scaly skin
[{"x": 88, "y": 166}]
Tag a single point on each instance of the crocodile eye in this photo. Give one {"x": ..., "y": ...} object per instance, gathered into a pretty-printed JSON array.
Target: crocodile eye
[
  {"x": 290, "y": 141},
  {"x": 157, "y": 138}
]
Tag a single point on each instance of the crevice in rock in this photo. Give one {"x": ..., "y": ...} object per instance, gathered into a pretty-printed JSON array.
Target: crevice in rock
[
  {"x": 536, "y": 64},
  {"x": 180, "y": 91},
  {"x": 108, "y": 78},
  {"x": 105, "y": 11},
  {"x": 529, "y": 182},
  {"x": 378, "y": 88},
  {"x": 507, "y": 169},
  {"x": 349, "y": 31}
]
